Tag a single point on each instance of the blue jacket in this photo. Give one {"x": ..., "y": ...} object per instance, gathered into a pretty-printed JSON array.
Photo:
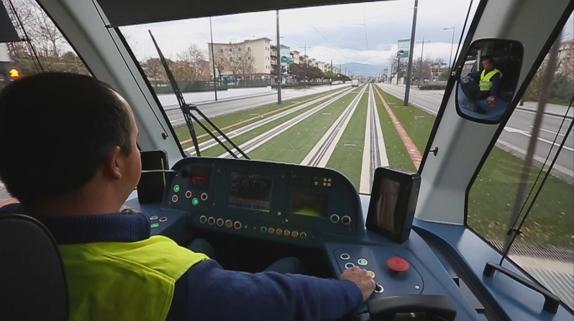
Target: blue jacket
[{"x": 230, "y": 295}]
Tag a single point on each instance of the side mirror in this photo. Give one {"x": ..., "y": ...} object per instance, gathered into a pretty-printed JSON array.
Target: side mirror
[{"x": 488, "y": 79}]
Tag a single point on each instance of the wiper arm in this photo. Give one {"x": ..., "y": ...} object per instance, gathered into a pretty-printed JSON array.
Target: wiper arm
[{"x": 189, "y": 117}]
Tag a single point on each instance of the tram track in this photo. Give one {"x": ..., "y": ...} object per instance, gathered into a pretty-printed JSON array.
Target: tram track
[
  {"x": 374, "y": 150},
  {"x": 257, "y": 124},
  {"x": 322, "y": 151},
  {"x": 274, "y": 132}
]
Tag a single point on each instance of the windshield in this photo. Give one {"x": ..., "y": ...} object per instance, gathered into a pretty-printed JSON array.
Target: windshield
[{"x": 342, "y": 71}]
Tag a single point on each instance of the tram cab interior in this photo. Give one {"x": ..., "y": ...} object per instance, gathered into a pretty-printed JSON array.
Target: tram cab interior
[{"x": 411, "y": 231}]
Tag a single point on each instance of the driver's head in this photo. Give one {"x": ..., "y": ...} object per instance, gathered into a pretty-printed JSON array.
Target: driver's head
[
  {"x": 67, "y": 138},
  {"x": 486, "y": 63}
]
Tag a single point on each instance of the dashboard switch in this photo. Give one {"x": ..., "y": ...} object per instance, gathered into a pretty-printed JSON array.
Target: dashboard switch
[
  {"x": 349, "y": 265},
  {"x": 188, "y": 194},
  {"x": 334, "y": 218},
  {"x": 203, "y": 219},
  {"x": 237, "y": 225},
  {"x": 228, "y": 223},
  {"x": 219, "y": 222},
  {"x": 398, "y": 264},
  {"x": 346, "y": 220},
  {"x": 344, "y": 256},
  {"x": 204, "y": 196},
  {"x": 211, "y": 220},
  {"x": 362, "y": 261}
]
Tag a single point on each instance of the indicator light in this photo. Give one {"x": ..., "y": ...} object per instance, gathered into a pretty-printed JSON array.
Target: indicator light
[
  {"x": 195, "y": 201},
  {"x": 176, "y": 188}
]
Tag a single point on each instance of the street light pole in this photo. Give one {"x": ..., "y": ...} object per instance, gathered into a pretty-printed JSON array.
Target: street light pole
[
  {"x": 451, "y": 47},
  {"x": 213, "y": 60},
  {"x": 421, "y": 63},
  {"x": 410, "y": 65},
  {"x": 278, "y": 62}
]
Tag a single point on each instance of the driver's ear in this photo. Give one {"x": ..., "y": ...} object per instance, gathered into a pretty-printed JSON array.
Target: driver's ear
[{"x": 113, "y": 163}]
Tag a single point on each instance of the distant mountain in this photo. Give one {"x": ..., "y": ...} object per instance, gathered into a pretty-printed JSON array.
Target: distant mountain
[{"x": 362, "y": 69}]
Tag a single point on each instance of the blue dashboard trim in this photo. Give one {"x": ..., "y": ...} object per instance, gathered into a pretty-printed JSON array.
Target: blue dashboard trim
[{"x": 516, "y": 300}]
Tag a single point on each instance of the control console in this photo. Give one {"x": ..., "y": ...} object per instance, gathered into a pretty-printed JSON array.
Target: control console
[{"x": 286, "y": 203}]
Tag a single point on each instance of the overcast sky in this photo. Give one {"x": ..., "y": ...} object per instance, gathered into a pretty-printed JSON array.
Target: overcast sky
[{"x": 363, "y": 33}]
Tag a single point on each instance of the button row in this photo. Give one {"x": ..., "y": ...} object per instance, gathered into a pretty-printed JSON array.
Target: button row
[
  {"x": 282, "y": 232},
  {"x": 220, "y": 222},
  {"x": 347, "y": 256},
  {"x": 194, "y": 201},
  {"x": 345, "y": 219},
  {"x": 155, "y": 220}
]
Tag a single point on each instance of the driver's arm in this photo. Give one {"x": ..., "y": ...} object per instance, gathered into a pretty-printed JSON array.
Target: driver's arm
[
  {"x": 208, "y": 292},
  {"x": 495, "y": 90}
]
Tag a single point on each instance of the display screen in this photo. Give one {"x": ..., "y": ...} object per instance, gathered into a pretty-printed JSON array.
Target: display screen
[
  {"x": 309, "y": 204},
  {"x": 386, "y": 204},
  {"x": 199, "y": 177},
  {"x": 250, "y": 191}
]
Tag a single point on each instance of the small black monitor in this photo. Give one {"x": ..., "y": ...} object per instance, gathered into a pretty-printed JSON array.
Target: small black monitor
[
  {"x": 393, "y": 203},
  {"x": 154, "y": 178}
]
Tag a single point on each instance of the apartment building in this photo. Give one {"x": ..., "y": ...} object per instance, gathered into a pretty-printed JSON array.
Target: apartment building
[{"x": 252, "y": 57}]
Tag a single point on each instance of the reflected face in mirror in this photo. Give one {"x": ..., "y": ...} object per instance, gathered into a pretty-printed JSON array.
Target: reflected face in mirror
[{"x": 488, "y": 79}]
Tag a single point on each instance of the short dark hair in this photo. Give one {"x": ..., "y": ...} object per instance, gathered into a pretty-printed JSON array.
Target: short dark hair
[
  {"x": 486, "y": 57},
  {"x": 55, "y": 132}
]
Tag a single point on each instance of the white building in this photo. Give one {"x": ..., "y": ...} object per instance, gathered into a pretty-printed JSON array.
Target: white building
[{"x": 257, "y": 52}]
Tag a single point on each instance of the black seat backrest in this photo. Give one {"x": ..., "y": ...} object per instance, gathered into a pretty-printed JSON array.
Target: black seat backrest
[{"x": 32, "y": 280}]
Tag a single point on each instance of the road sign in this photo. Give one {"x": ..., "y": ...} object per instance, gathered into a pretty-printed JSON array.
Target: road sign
[{"x": 403, "y": 48}]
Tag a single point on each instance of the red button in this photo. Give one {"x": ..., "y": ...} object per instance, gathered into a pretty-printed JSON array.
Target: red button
[{"x": 398, "y": 264}]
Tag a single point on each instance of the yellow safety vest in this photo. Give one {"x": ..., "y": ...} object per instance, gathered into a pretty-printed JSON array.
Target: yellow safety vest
[
  {"x": 127, "y": 281},
  {"x": 485, "y": 82}
]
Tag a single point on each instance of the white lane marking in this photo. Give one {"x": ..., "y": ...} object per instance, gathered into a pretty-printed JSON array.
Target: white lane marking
[
  {"x": 324, "y": 148},
  {"x": 242, "y": 130},
  {"x": 374, "y": 143},
  {"x": 525, "y": 133},
  {"x": 265, "y": 137}
]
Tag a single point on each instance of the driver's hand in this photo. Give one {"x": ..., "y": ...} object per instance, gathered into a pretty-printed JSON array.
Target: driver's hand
[
  {"x": 362, "y": 279},
  {"x": 491, "y": 101}
]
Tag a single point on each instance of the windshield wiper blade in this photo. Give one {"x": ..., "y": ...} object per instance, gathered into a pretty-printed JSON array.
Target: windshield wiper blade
[{"x": 189, "y": 117}]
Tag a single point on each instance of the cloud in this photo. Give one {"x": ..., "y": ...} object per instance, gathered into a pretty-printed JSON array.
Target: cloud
[{"x": 364, "y": 32}]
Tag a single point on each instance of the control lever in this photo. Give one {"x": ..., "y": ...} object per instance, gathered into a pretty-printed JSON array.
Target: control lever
[{"x": 436, "y": 307}]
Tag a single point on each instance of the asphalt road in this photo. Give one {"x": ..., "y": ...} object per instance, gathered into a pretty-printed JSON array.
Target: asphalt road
[
  {"x": 516, "y": 133},
  {"x": 233, "y": 103}
]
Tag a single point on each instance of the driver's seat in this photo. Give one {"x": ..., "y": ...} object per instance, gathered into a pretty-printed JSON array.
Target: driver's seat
[{"x": 32, "y": 278}]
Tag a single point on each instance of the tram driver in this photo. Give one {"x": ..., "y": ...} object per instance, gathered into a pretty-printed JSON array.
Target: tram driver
[
  {"x": 71, "y": 158},
  {"x": 482, "y": 89}
]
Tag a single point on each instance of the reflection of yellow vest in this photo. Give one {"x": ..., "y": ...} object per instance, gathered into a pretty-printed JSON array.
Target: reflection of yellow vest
[
  {"x": 485, "y": 83},
  {"x": 128, "y": 281}
]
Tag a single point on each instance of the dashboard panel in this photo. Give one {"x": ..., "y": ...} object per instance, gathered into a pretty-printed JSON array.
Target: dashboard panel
[{"x": 285, "y": 203}]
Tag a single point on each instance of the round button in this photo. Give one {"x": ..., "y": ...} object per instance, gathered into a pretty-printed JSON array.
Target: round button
[
  {"x": 346, "y": 220},
  {"x": 294, "y": 234},
  {"x": 195, "y": 201},
  {"x": 362, "y": 261},
  {"x": 174, "y": 198},
  {"x": 371, "y": 274},
  {"x": 237, "y": 225},
  {"x": 398, "y": 264},
  {"x": 188, "y": 194},
  {"x": 163, "y": 219},
  {"x": 279, "y": 231},
  {"x": 211, "y": 220},
  {"x": 303, "y": 235},
  {"x": 153, "y": 217},
  {"x": 271, "y": 230},
  {"x": 219, "y": 222},
  {"x": 228, "y": 223},
  {"x": 202, "y": 219},
  {"x": 334, "y": 218},
  {"x": 286, "y": 233},
  {"x": 349, "y": 265},
  {"x": 344, "y": 256},
  {"x": 203, "y": 196},
  {"x": 176, "y": 188},
  {"x": 263, "y": 229},
  {"x": 379, "y": 288}
]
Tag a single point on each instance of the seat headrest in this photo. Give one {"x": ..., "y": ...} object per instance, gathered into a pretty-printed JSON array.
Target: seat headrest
[{"x": 32, "y": 278}]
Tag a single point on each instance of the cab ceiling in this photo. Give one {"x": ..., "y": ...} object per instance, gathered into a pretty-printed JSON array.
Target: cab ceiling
[{"x": 131, "y": 12}]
